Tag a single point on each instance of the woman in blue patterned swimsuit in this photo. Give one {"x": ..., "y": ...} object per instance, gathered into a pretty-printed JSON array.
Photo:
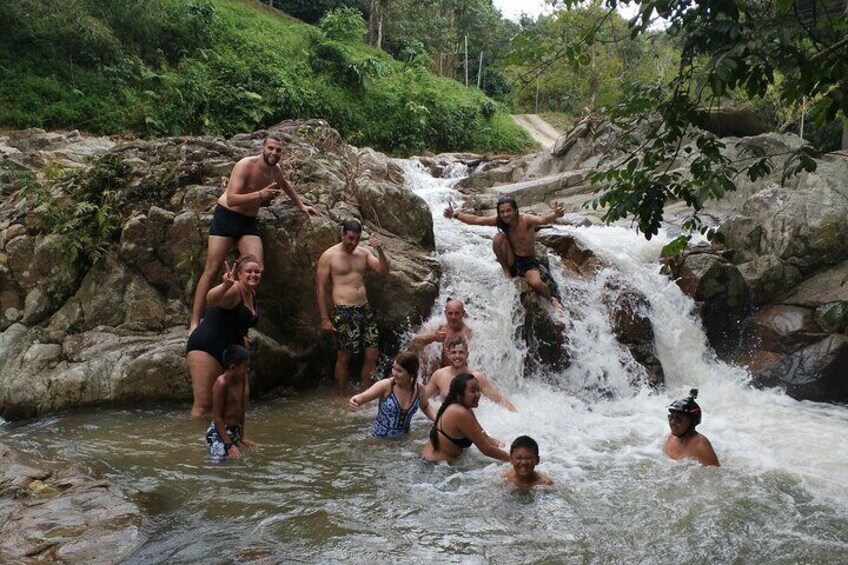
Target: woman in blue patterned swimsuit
[{"x": 400, "y": 397}]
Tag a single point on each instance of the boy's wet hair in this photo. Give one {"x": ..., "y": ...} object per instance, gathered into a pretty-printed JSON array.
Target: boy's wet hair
[
  {"x": 409, "y": 362},
  {"x": 235, "y": 355},
  {"x": 457, "y": 340},
  {"x": 352, "y": 226},
  {"x": 525, "y": 442}
]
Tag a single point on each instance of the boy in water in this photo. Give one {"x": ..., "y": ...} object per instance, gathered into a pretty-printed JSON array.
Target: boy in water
[
  {"x": 524, "y": 456},
  {"x": 229, "y": 402}
]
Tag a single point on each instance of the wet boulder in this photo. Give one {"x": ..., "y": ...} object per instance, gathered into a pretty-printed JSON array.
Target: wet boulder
[
  {"x": 719, "y": 288},
  {"x": 629, "y": 313},
  {"x": 815, "y": 372},
  {"x": 55, "y": 514}
]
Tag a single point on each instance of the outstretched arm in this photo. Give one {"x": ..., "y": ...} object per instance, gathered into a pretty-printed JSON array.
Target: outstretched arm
[
  {"x": 557, "y": 211},
  {"x": 377, "y": 390},
  {"x": 425, "y": 338},
  {"x": 470, "y": 219},
  {"x": 294, "y": 196},
  {"x": 491, "y": 392},
  {"x": 470, "y": 428}
]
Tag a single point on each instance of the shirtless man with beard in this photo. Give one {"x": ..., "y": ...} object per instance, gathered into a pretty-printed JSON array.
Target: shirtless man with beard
[
  {"x": 515, "y": 243},
  {"x": 254, "y": 181}
]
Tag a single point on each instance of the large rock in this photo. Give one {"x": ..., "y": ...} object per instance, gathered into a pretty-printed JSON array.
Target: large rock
[
  {"x": 105, "y": 329},
  {"x": 628, "y": 310},
  {"x": 55, "y": 514},
  {"x": 733, "y": 119},
  {"x": 630, "y": 321},
  {"x": 722, "y": 293},
  {"x": 816, "y": 372}
]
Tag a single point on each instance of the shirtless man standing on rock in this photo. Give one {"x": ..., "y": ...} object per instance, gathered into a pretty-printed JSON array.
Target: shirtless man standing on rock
[
  {"x": 515, "y": 243},
  {"x": 352, "y": 320},
  {"x": 254, "y": 181},
  {"x": 454, "y": 326},
  {"x": 440, "y": 381}
]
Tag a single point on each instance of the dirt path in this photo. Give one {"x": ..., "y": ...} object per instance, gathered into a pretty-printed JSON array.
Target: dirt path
[{"x": 540, "y": 130}]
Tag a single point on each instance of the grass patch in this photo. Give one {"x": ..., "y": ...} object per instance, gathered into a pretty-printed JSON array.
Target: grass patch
[{"x": 219, "y": 67}]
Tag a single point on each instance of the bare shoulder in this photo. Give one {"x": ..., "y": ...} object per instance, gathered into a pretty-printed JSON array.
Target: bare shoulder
[
  {"x": 543, "y": 480},
  {"x": 329, "y": 252},
  {"x": 439, "y": 376}
]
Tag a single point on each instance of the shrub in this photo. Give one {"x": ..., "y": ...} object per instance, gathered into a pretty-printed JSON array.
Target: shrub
[{"x": 343, "y": 24}]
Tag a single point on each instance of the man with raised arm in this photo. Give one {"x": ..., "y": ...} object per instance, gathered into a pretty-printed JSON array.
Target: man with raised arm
[
  {"x": 254, "y": 181},
  {"x": 352, "y": 319},
  {"x": 439, "y": 383},
  {"x": 454, "y": 326},
  {"x": 515, "y": 243}
]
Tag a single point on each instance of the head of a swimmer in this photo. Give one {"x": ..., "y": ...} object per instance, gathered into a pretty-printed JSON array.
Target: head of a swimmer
[
  {"x": 507, "y": 209},
  {"x": 405, "y": 366},
  {"x": 455, "y": 313},
  {"x": 465, "y": 390},
  {"x": 351, "y": 233},
  {"x": 524, "y": 455},
  {"x": 249, "y": 271},
  {"x": 456, "y": 349},
  {"x": 272, "y": 149},
  {"x": 236, "y": 359}
]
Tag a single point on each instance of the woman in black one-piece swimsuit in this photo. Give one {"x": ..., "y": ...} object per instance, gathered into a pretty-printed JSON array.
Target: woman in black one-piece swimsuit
[{"x": 230, "y": 313}]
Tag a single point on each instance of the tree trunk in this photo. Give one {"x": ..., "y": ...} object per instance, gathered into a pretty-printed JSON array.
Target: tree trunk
[
  {"x": 375, "y": 23},
  {"x": 844, "y": 133},
  {"x": 480, "y": 70}
]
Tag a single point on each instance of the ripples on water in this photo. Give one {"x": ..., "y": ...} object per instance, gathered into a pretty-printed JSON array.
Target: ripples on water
[{"x": 318, "y": 490}]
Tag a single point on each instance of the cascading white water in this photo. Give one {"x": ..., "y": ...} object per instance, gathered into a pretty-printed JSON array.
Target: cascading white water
[{"x": 753, "y": 431}]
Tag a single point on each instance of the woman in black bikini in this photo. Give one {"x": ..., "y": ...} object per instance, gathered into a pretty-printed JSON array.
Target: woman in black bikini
[
  {"x": 231, "y": 312},
  {"x": 456, "y": 427}
]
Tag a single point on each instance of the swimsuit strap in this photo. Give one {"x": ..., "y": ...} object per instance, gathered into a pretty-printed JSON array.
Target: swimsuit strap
[{"x": 461, "y": 443}]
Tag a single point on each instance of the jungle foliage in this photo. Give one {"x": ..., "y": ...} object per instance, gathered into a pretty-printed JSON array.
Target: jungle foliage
[
  {"x": 218, "y": 67},
  {"x": 781, "y": 50}
]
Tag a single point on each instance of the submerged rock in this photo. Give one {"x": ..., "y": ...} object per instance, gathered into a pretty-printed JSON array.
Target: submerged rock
[{"x": 55, "y": 514}]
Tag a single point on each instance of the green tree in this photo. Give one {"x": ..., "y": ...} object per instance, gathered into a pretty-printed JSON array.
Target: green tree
[{"x": 726, "y": 47}]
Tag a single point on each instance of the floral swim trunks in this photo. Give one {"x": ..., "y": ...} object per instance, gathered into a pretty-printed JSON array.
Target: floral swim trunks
[
  {"x": 356, "y": 327},
  {"x": 216, "y": 444}
]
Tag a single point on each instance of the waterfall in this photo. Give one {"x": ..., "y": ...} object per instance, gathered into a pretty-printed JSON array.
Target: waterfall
[{"x": 753, "y": 431}]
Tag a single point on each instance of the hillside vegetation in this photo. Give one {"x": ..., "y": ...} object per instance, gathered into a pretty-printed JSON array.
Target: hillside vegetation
[{"x": 218, "y": 67}]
